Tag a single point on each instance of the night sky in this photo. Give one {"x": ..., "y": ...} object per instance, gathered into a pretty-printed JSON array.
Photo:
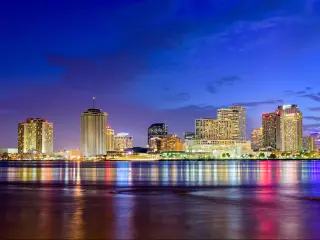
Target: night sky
[{"x": 155, "y": 61}]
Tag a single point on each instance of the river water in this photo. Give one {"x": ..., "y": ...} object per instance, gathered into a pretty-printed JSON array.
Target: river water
[{"x": 160, "y": 200}]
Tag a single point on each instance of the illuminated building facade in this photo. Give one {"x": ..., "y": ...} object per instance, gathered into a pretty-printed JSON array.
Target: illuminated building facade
[
  {"x": 93, "y": 132},
  {"x": 256, "y": 139},
  {"x": 216, "y": 148},
  {"x": 122, "y": 141},
  {"x": 237, "y": 116},
  {"x": 110, "y": 138},
  {"x": 213, "y": 129},
  {"x": 270, "y": 128},
  {"x": 35, "y": 135},
  {"x": 290, "y": 136},
  {"x": 189, "y": 136},
  {"x": 310, "y": 144},
  {"x": 172, "y": 143},
  {"x": 155, "y": 144},
  {"x": 157, "y": 130}
]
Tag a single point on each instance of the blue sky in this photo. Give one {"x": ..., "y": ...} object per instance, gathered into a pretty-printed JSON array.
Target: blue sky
[{"x": 155, "y": 61}]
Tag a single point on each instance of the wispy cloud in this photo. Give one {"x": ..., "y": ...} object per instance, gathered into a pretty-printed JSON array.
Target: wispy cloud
[
  {"x": 315, "y": 109},
  {"x": 312, "y": 118},
  {"x": 312, "y": 96},
  {"x": 213, "y": 87},
  {"x": 255, "y": 104}
]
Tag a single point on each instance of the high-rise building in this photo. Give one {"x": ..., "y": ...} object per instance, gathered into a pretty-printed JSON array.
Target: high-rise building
[
  {"x": 35, "y": 135},
  {"x": 122, "y": 141},
  {"x": 93, "y": 132},
  {"x": 290, "y": 135},
  {"x": 213, "y": 129},
  {"x": 256, "y": 139},
  {"x": 157, "y": 130},
  {"x": 172, "y": 143},
  {"x": 189, "y": 136},
  {"x": 237, "y": 115},
  {"x": 270, "y": 129},
  {"x": 110, "y": 138}
]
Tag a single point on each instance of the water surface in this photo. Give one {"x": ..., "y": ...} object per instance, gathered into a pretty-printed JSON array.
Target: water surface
[{"x": 160, "y": 200}]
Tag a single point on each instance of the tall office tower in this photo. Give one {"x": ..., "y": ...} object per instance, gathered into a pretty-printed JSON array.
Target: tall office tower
[
  {"x": 270, "y": 130},
  {"x": 189, "y": 136},
  {"x": 237, "y": 115},
  {"x": 157, "y": 130},
  {"x": 122, "y": 141},
  {"x": 93, "y": 132},
  {"x": 110, "y": 138},
  {"x": 35, "y": 134},
  {"x": 213, "y": 129},
  {"x": 172, "y": 143},
  {"x": 290, "y": 136},
  {"x": 256, "y": 139}
]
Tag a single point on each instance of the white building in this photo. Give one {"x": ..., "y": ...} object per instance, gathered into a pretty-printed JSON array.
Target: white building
[{"x": 93, "y": 132}]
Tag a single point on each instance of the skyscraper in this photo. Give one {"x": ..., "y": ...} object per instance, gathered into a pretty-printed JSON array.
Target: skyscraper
[
  {"x": 110, "y": 138},
  {"x": 93, "y": 132},
  {"x": 270, "y": 128},
  {"x": 256, "y": 139},
  {"x": 156, "y": 132},
  {"x": 290, "y": 135},
  {"x": 122, "y": 141},
  {"x": 35, "y": 134},
  {"x": 213, "y": 129},
  {"x": 237, "y": 115}
]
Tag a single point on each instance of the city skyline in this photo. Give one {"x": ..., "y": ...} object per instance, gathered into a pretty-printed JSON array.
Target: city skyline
[
  {"x": 272, "y": 127},
  {"x": 185, "y": 62}
]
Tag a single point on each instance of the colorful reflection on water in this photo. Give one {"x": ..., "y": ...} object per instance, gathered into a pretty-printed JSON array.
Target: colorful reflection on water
[
  {"x": 223, "y": 200},
  {"x": 171, "y": 173}
]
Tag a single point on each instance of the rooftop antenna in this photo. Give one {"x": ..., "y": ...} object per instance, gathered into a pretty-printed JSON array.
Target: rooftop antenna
[{"x": 93, "y": 101}]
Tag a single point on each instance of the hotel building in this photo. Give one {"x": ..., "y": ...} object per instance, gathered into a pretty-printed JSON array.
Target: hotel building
[
  {"x": 237, "y": 116},
  {"x": 270, "y": 128},
  {"x": 290, "y": 135},
  {"x": 122, "y": 141},
  {"x": 213, "y": 129},
  {"x": 256, "y": 139},
  {"x": 35, "y": 135}
]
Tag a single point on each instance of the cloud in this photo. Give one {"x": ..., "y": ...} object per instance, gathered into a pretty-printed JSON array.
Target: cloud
[
  {"x": 312, "y": 118},
  {"x": 311, "y": 127},
  {"x": 315, "y": 109},
  {"x": 297, "y": 93},
  {"x": 256, "y": 104},
  {"x": 213, "y": 87},
  {"x": 180, "y": 97},
  {"x": 315, "y": 97}
]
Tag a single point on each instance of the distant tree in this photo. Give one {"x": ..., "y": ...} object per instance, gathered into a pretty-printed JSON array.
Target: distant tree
[
  {"x": 250, "y": 156},
  {"x": 5, "y": 156},
  {"x": 262, "y": 155},
  {"x": 272, "y": 156},
  {"x": 228, "y": 155},
  {"x": 223, "y": 155}
]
